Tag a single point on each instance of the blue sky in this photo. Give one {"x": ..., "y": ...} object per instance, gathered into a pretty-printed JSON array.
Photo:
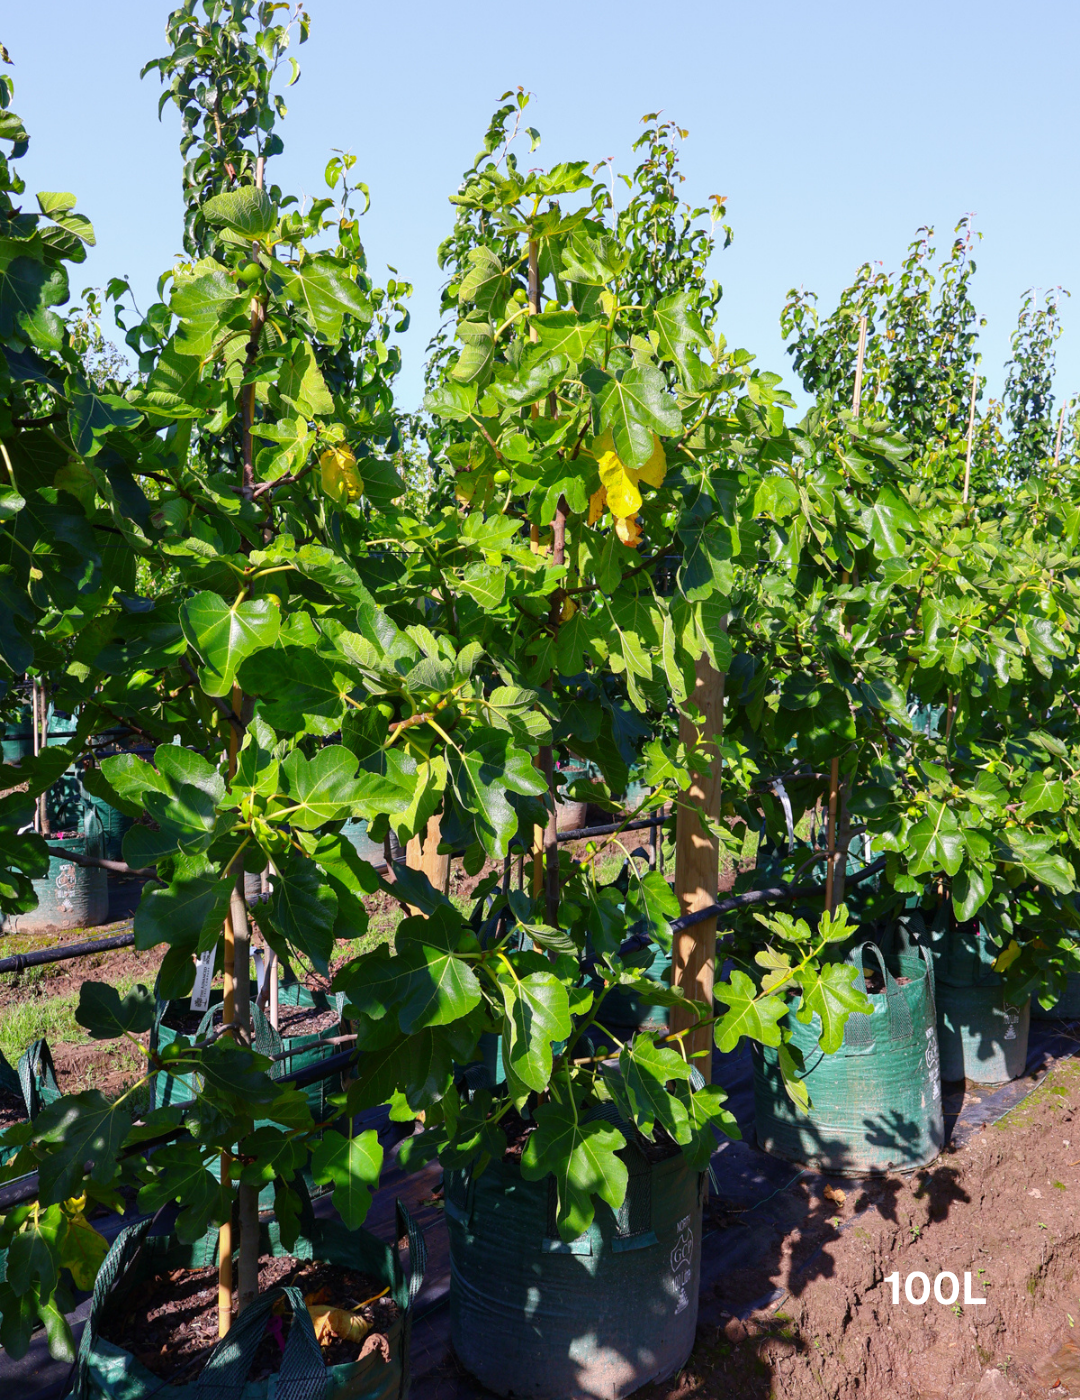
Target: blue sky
[{"x": 835, "y": 130}]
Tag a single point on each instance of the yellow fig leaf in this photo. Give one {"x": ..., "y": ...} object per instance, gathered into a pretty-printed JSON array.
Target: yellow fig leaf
[
  {"x": 83, "y": 1250},
  {"x": 569, "y": 608},
  {"x": 597, "y": 505},
  {"x": 336, "y": 1322},
  {"x": 655, "y": 469},
  {"x": 1006, "y": 958},
  {"x": 628, "y": 530},
  {"x": 599, "y": 445},
  {"x": 340, "y": 479},
  {"x": 623, "y": 496}
]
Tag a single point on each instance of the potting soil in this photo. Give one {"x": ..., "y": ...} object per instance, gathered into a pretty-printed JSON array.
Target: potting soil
[{"x": 170, "y": 1324}]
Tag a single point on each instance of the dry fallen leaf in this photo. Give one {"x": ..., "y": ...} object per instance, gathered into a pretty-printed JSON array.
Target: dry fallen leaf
[
  {"x": 336, "y": 1322},
  {"x": 833, "y": 1193},
  {"x": 376, "y": 1342}
]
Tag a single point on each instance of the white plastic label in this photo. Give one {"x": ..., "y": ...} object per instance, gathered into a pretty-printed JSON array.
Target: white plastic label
[
  {"x": 260, "y": 970},
  {"x": 204, "y": 976}
]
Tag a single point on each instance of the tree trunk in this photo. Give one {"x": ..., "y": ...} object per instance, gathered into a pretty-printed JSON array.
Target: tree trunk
[{"x": 697, "y": 869}]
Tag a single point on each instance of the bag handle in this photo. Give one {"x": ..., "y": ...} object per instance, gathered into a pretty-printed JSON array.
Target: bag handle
[
  {"x": 125, "y": 1249},
  {"x": 931, "y": 985},
  {"x": 895, "y": 1002},
  {"x": 406, "y": 1225},
  {"x": 303, "y": 1372},
  {"x": 37, "y": 1078}
]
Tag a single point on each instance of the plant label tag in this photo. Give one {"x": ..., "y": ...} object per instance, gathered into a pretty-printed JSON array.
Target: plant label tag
[
  {"x": 204, "y": 975},
  {"x": 259, "y": 959}
]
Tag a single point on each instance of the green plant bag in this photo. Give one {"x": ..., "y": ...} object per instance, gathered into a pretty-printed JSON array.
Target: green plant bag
[
  {"x": 534, "y": 1316},
  {"x": 70, "y": 895},
  {"x": 876, "y": 1103},
  {"x": 105, "y": 1371},
  {"x": 355, "y": 831},
  {"x": 114, "y": 826},
  {"x": 625, "y": 1011},
  {"x": 982, "y": 1037},
  {"x": 303, "y": 1050}
]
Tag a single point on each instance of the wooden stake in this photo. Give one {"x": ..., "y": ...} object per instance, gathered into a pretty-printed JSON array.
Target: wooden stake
[
  {"x": 834, "y": 852},
  {"x": 970, "y": 436},
  {"x": 830, "y": 868},
  {"x": 697, "y": 867},
  {"x": 228, "y": 1016},
  {"x": 423, "y": 854}
]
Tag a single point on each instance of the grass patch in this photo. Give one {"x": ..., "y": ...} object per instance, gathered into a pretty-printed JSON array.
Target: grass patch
[
  {"x": 30, "y": 1018},
  {"x": 1061, "y": 1084}
]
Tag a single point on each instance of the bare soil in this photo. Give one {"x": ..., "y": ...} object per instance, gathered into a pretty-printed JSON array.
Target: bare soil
[
  {"x": 1004, "y": 1208},
  {"x": 170, "y": 1323}
]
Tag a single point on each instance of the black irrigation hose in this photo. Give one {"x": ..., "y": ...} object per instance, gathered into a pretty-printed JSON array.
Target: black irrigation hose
[{"x": 19, "y": 961}]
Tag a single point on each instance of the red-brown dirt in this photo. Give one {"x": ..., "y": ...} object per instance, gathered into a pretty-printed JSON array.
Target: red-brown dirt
[{"x": 1003, "y": 1208}]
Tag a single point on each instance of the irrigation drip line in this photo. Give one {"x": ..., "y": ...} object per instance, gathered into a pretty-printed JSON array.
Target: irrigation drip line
[{"x": 20, "y": 961}]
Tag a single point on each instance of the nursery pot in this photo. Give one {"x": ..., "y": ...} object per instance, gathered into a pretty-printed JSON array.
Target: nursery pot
[
  {"x": 115, "y": 825},
  {"x": 982, "y": 1036},
  {"x": 304, "y": 1050},
  {"x": 70, "y": 895},
  {"x": 1067, "y": 1008},
  {"x": 105, "y": 1371},
  {"x": 592, "y": 1319},
  {"x": 571, "y": 815},
  {"x": 875, "y": 1103},
  {"x": 355, "y": 831},
  {"x": 624, "y": 1011}
]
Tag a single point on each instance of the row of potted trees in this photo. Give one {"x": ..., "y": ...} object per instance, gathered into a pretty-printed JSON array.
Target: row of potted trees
[{"x": 625, "y": 539}]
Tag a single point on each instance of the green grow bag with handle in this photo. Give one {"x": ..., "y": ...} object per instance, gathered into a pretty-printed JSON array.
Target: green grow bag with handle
[
  {"x": 982, "y": 1036},
  {"x": 105, "y": 1371},
  {"x": 1066, "y": 1008},
  {"x": 876, "y": 1103},
  {"x": 624, "y": 1011},
  {"x": 355, "y": 831},
  {"x": 115, "y": 825},
  {"x": 303, "y": 1050},
  {"x": 533, "y": 1316},
  {"x": 70, "y": 895}
]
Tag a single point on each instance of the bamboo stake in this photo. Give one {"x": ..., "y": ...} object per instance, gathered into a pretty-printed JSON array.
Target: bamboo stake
[
  {"x": 38, "y": 822},
  {"x": 544, "y": 764},
  {"x": 970, "y": 436},
  {"x": 237, "y": 928},
  {"x": 1057, "y": 437},
  {"x": 830, "y": 864}
]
